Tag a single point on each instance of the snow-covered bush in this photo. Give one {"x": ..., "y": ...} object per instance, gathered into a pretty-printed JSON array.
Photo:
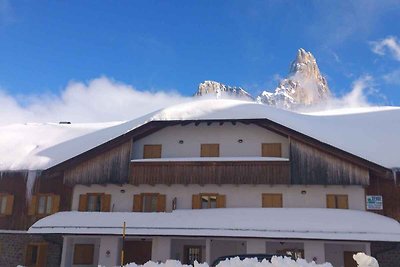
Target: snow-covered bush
[{"x": 364, "y": 260}]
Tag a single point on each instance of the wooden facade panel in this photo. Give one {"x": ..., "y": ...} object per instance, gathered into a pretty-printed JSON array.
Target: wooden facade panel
[
  {"x": 109, "y": 167},
  {"x": 390, "y": 192},
  {"x": 313, "y": 166},
  {"x": 152, "y": 151},
  {"x": 258, "y": 172}
]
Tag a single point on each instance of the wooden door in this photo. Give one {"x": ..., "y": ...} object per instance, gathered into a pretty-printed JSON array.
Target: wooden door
[
  {"x": 137, "y": 251},
  {"x": 348, "y": 259}
]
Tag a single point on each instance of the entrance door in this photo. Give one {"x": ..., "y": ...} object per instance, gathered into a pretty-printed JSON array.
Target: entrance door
[
  {"x": 137, "y": 251},
  {"x": 348, "y": 259}
]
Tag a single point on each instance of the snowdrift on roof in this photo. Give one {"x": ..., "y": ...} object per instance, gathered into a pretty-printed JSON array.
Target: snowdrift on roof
[{"x": 370, "y": 134}]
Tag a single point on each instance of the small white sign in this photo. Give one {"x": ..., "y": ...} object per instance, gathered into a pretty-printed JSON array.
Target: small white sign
[{"x": 374, "y": 202}]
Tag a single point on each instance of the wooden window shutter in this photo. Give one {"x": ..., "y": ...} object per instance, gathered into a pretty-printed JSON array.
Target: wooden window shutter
[
  {"x": 137, "y": 203},
  {"x": 161, "y": 199},
  {"x": 83, "y": 254},
  {"x": 342, "y": 202},
  {"x": 196, "y": 202},
  {"x": 330, "y": 201},
  {"x": 28, "y": 255},
  {"x": 42, "y": 255},
  {"x": 106, "y": 202},
  {"x": 83, "y": 202},
  {"x": 10, "y": 205},
  {"x": 271, "y": 150},
  {"x": 267, "y": 201},
  {"x": 209, "y": 150},
  {"x": 55, "y": 203},
  {"x": 277, "y": 201},
  {"x": 152, "y": 151},
  {"x": 221, "y": 201},
  {"x": 32, "y": 206}
]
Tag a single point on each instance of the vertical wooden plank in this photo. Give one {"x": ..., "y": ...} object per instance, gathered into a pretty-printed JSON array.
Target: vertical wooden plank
[
  {"x": 137, "y": 203},
  {"x": 330, "y": 201},
  {"x": 106, "y": 202},
  {"x": 32, "y": 206},
  {"x": 56, "y": 203},
  {"x": 161, "y": 203},
  {"x": 221, "y": 201},
  {"x": 83, "y": 202},
  {"x": 271, "y": 150},
  {"x": 9, "y": 205},
  {"x": 196, "y": 202}
]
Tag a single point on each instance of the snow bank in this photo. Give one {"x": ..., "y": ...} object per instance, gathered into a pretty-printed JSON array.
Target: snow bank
[
  {"x": 236, "y": 262},
  {"x": 365, "y": 260}
]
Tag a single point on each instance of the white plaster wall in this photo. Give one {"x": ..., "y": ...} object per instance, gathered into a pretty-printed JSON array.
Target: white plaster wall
[
  {"x": 113, "y": 245},
  {"x": 227, "y": 135},
  {"x": 314, "y": 251},
  {"x": 237, "y": 196},
  {"x": 256, "y": 246},
  {"x": 161, "y": 249}
]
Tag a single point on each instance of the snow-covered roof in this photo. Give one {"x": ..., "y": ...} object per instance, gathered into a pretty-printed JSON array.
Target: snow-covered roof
[
  {"x": 372, "y": 134},
  {"x": 304, "y": 223}
]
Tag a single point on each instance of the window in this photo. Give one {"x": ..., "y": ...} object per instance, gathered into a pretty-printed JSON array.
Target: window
[
  {"x": 209, "y": 150},
  {"x": 272, "y": 201},
  {"x": 292, "y": 252},
  {"x": 36, "y": 255},
  {"x": 6, "y": 204},
  {"x": 95, "y": 202},
  {"x": 208, "y": 201},
  {"x": 149, "y": 202},
  {"x": 44, "y": 204},
  {"x": 192, "y": 254},
  {"x": 271, "y": 150},
  {"x": 152, "y": 151},
  {"x": 83, "y": 254},
  {"x": 337, "y": 201}
]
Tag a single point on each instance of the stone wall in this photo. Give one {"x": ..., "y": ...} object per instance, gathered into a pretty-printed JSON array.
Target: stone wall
[
  {"x": 13, "y": 248},
  {"x": 387, "y": 253}
]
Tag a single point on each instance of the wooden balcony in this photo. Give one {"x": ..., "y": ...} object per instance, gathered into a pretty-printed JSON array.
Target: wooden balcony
[{"x": 210, "y": 171}]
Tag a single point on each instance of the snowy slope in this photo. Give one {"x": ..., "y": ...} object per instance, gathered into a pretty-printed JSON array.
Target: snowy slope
[{"x": 371, "y": 134}]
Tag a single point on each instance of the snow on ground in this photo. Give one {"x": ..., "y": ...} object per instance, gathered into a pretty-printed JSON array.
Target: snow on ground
[
  {"x": 243, "y": 222},
  {"x": 371, "y": 134},
  {"x": 361, "y": 259}
]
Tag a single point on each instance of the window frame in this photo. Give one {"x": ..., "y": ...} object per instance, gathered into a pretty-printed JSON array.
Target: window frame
[
  {"x": 41, "y": 254},
  {"x": 6, "y": 197},
  {"x": 152, "y": 195},
  {"x": 208, "y": 195},
  {"x": 47, "y": 196},
  {"x": 100, "y": 197}
]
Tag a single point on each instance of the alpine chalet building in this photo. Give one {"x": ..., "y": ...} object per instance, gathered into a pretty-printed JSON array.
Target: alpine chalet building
[{"x": 201, "y": 180}]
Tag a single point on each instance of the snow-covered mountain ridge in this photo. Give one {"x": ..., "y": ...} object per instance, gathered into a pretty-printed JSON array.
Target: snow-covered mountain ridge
[{"x": 304, "y": 86}]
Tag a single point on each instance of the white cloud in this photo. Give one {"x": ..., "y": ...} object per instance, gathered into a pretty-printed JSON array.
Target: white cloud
[
  {"x": 392, "y": 77},
  {"x": 100, "y": 99},
  {"x": 358, "y": 96},
  {"x": 390, "y": 44}
]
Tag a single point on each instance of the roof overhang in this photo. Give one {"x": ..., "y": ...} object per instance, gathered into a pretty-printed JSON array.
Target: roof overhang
[{"x": 293, "y": 223}]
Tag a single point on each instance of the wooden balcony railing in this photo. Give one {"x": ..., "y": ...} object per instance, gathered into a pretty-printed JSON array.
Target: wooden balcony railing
[{"x": 209, "y": 172}]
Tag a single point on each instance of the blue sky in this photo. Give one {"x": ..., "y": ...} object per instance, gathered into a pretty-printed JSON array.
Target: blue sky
[{"x": 175, "y": 45}]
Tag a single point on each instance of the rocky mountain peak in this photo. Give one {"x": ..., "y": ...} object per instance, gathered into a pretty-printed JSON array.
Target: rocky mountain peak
[
  {"x": 220, "y": 90},
  {"x": 304, "y": 85}
]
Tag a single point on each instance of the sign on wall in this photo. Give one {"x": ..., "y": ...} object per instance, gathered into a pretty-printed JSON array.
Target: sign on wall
[{"x": 374, "y": 202}]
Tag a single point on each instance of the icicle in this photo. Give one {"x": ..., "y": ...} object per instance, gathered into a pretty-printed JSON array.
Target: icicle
[
  {"x": 395, "y": 171},
  {"x": 30, "y": 182}
]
